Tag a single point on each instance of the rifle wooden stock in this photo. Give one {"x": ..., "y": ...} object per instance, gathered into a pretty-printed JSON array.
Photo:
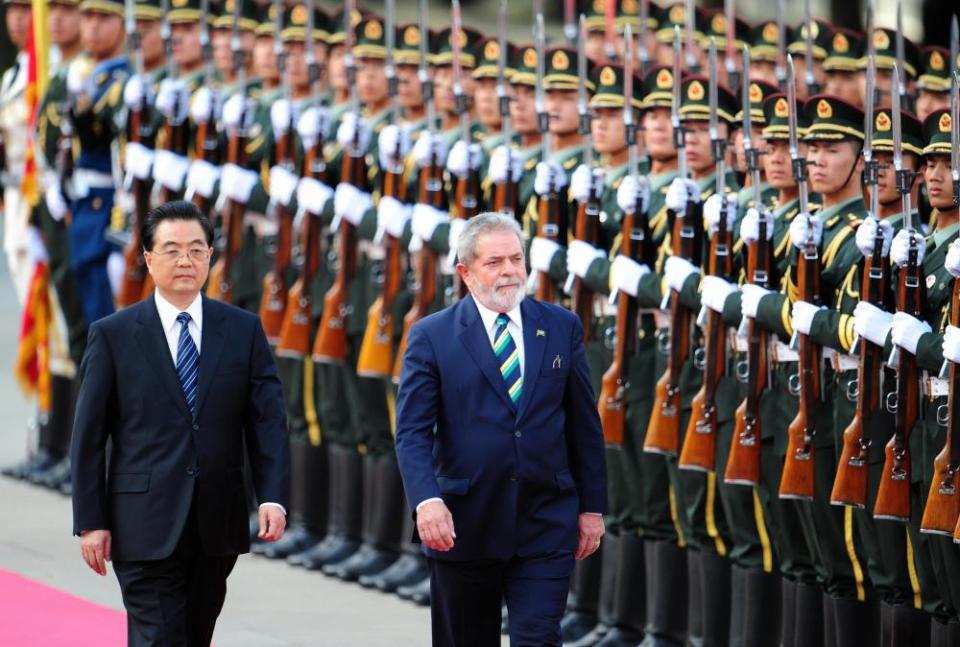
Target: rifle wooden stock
[
  {"x": 663, "y": 432},
  {"x": 850, "y": 483},
  {"x": 467, "y": 197},
  {"x": 942, "y": 512},
  {"x": 273, "y": 301},
  {"x": 207, "y": 148},
  {"x": 743, "y": 463},
  {"x": 177, "y": 141},
  {"x": 700, "y": 444},
  {"x": 581, "y": 298},
  {"x": 425, "y": 265},
  {"x": 506, "y": 199},
  {"x": 797, "y": 479},
  {"x": 376, "y": 352},
  {"x": 893, "y": 495},
  {"x": 295, "y": 332},
  {"x": 220, "y": 283},
  {"x": 549, "y": 226},
  {"x": 330, "y": 345}
]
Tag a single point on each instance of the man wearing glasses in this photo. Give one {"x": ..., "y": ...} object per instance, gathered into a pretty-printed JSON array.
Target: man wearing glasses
[{"x": 178, "y": 384}]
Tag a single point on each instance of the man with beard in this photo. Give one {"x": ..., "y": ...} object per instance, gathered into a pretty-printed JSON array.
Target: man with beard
[{"x": 501, "y": 454}]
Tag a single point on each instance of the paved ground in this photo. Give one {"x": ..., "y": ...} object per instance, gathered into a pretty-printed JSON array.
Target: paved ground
[{"x": 268, "y": 604}]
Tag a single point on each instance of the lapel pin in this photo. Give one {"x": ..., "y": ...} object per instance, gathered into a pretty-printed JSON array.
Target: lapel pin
[
  {"x": 557, "y": 361},
  {"x": 541, "y": 332}
]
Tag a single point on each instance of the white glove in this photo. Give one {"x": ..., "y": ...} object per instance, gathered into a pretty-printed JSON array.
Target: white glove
[
  {"x": 714, "y": 292},
  {"x": 235, "y": 109},
  {"x": 541, "y": 253},
  {"x": 550, "y": 177},
  {"x": 951, "y": 344},
  {"x": 629, "y": 191},
  {"x": 750, "y": 225},
  {"x": 429, "y": 148},
  {"x": 580, "y": 255},
  {"x": 79, "y": 79},
  {"x": 202, "y": 177},
  {"x": 351, "y": 203},
  {"x": 136, "y": 92},
  {"x": 313, "y": 195},
  {"x": 802, "y": 315},
  {"x": 681, "y": 192},
  {"x": 456, "y": 228},
  {"x": 463, "y": 158},
  {"x": 313, "y": 123},
  {"x": 801, "y": 227},
  {"x": 717, "y": 206},
  {"x": 236, "y": 183},
  {"x": 56, "y": 205},
  {"x": 750, "y": 299},
  {"x": 170, "y": 169},
  {"x": 353, "y": 127},
  {"x": 392, "y": 136},
  {"x": 952, "y": 262},
  {"x": 204, "y": 100},
  {"x": 138, "y": 160},
  {"x": 867, "y": 234},
  {"x": 625, "y": 274},
  {"x": 677, "y": 270},
  {"x": 173, "y": 99},
  {"x": 116, "y": 268},
  {"x": 900, "y": 248},
  {"x": 392, "y": 215},
  {"x": 497, "y": 169},
  {"x": 872, "y": 323},
  {"x": 283, "y": 184},
  {"x": 584, "y": 180},
  {"x": 426, "y": 219},
  {"x": 282, "y": 115},
  {"x": 36, "y": 250},
  {"x": 907, "y": 331}
]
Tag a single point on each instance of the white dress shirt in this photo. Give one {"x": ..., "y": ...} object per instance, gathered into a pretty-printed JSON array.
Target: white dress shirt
[
  {"x": 171, "y": 328},
  {"x": 514, "y": 327}
]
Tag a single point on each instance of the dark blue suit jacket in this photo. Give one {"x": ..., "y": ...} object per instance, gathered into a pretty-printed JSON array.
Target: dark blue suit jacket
[
  {"x": 162, "y": 456},
  {"x": 514, "y": 478}
]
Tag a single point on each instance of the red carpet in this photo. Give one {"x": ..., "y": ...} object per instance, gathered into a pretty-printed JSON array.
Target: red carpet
[{"x": 36, "y": 615}]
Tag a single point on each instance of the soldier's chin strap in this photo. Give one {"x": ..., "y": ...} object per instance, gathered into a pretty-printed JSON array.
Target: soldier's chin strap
[{"x": 853, "y": 167}]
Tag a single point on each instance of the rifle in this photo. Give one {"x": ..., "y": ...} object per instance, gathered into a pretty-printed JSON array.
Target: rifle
[
  {"x": 330, "y": 345},
  {"x": 298, "y": 315},
  {"x": 220, "y": 283},
  {"x": 850, "y": 483},
  {"x": 273, "y": 301},
  {"x": 637, "y": 244},
  {"x": 376, "y": 351},
  {"x": 206, "y": 144},
  {"x": 588, "y": 213},
  {"x": 663, "y": 432},
  {"x": 796, "y": 481},
  {"x": 138, "y": 132},
  {"x": 468, "y": 188},
  {"x": 430, "y": 191},
  {"x": 176, "y": 128},
  {"x": 699, "y": 446},
  {"x": 506, "y": 198},
  {"x": 942, "y": 512},
  {"x": 550, "y": 223},
  {"x": 893, "y": 495},
  {"x": 743, "y": 464}
]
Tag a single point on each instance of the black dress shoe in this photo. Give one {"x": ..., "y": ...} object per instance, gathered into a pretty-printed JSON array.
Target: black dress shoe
[
  {"x": 418, "y": 593},
  {"x": 40, "y": 461},
  {"x": 369, "y": 560},
  {"x": 619, "y": 637},
  {"x": 295, "y": 540},
  {"x": 338, "y": 549},
  {"x": 54, "y": 476},
  {"x": 407, "y": 570},
  {"x": 320, "y": 548},
  {"x": 575, "y": 626}
]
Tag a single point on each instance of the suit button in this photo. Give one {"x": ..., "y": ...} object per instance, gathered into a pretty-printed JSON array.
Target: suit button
[
  {"x": 513, "y": 477},
  {"x": 196, "y": 427},
  {"x": 191, "y": 471},
  {"x": 517, "y": 433}
]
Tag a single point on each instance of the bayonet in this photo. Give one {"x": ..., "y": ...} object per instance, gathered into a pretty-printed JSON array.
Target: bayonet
[
  {"x": 167, "y": 38},
  {"x": 679, "y": 137},
  {"x": 570, "y": 20},
  {"x": 503, "y": 97},
  {"x": 609, "y": 29},
  {"x": 206, "y": 48},
  {"x": 133, "y": 37},
  {"x": 642, "y": 50},
  {"x": 750, "y": 153},
  {"x": 351, "y": 65},
  {"x": 781, "y": 45},
  {"x": 717, "y": 143},
  {"x": 457, "y": 35},
  {"x": 582, "y": 108},
  {"x": 955, "y": 133},
  {"x": 543, "y": 119},
  {"x": 904, "y": 97},
  {"x": 872, "y": 92},
  {"x": 389, "y": 68},
  {"x": 239, "y": 56},
  {"x": 798, "y": 163},
  {"x": 733, "y": 77},
  {"x": 423, "y": 72},
  {"x": 809, "y": 75},
  {"x": 280, "y": 53},
  {"x": 954, "y": 43},
  {"x": 689, "y": 15}
]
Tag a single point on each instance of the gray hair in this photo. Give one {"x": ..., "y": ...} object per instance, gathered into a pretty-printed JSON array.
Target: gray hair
[{"x": 484, "y": 223}]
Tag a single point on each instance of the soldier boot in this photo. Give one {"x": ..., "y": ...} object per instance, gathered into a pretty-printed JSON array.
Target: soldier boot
[
  {"x": 666, "y": 594},
  {"x": 298, "y": 537},
  {"x": 902, "y": 624},
  {"x": 629, "y": 606},
  {"x": 582, "y": 618},
  {"x": 316, "y": 508}
]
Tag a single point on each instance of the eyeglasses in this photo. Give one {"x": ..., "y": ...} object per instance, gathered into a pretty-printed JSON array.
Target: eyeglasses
[{"x": 194, "y": 254}]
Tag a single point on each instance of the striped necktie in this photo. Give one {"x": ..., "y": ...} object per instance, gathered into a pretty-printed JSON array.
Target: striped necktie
[
  {"x": 508, "y": 356},
  {"x": 188, "y": 362}
]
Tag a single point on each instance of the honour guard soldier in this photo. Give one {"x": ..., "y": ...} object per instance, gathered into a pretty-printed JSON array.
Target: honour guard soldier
[
  {"x": 765, "y": 49},
  {"x": 842, "y": 66},
  {"x": 933, "y": 84},
  {"x": 812, "y": 51},
  {"x": 885, "y": 51}
]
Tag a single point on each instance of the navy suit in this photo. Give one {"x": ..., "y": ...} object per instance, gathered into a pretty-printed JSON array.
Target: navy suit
[
  {"x": 515, "y": 478},
  {"x": 172, "y": 491}
]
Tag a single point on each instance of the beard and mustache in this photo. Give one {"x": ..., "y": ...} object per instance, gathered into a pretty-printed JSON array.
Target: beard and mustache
[{"x": 496, "y": 298}]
